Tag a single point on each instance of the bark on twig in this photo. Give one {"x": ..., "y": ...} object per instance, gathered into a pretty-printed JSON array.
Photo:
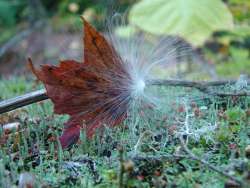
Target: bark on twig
[
  {"x": 210, "y": 166},
  {"x": 188, "y": 155},
  {"x": 202, "y": 86},
  {"x": 20, "y": 101},
  {"x": 36, "y": 96}
]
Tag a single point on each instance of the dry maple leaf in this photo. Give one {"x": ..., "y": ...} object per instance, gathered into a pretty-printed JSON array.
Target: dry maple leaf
[{"x": 94, "y": 92}]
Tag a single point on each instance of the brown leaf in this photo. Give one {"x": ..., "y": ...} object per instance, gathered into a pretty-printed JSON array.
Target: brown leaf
[{"x": 93, "y": 93}]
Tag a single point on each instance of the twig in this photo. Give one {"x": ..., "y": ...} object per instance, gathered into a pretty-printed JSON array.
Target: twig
[
  {"x": 203, "y": 86},
  {"x": 77, "y": 163},
  {"x": 190, "y": 156},
  {"x": 237, "y": 94},
  {"x": 36, "y": 96},
  {"x": 212, "y": 167},
  {"x": 162, "y": 157},
  {"x": 195, "y": 84},
  {"x": 139, "y": 142},
  {"x": 23, "y": 100}
]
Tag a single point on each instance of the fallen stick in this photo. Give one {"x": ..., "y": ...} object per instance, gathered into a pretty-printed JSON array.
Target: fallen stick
[
  {"x": 188, "y": 155},
  {"x": 40, "y": 95},
  {"x": 207, "y": 164},
  {"x": 23, "y": 100}
]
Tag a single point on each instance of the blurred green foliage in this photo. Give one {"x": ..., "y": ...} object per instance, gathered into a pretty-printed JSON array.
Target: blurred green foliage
[
  {"x": 230, "y": 50},
  {"x": 240, "y": 10},
  {"x": 8, "y": 17},
  {"x": 14, "y": 12},
  {"x": 207, "y": 24},
  {"x": 7, "y": 14},
  {"x": 193, "y": 20}
]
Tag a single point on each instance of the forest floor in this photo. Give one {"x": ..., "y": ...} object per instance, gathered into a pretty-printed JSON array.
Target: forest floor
[{"x": 214, "y": 152}]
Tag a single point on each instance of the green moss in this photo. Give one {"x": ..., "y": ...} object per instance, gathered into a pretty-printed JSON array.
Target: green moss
[{"x": 38, "y": 124}]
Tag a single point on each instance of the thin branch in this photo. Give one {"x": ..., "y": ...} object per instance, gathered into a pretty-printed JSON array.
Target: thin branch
[
  {"x": 23, "y": 100},
  {"x": 236, "y": 94},
  {"x": 202, "y": 86},
  {"x": 196, "y": 84},
  {"x": 212, "y": 167},
  {"x": 140, "y": 140},
  {"x": 36, "y": 96},
  {"x": 189, "y": 155}
]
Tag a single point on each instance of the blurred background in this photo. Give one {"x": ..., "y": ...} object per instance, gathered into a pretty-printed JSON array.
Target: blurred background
[{"x": 218, "y": 31}]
